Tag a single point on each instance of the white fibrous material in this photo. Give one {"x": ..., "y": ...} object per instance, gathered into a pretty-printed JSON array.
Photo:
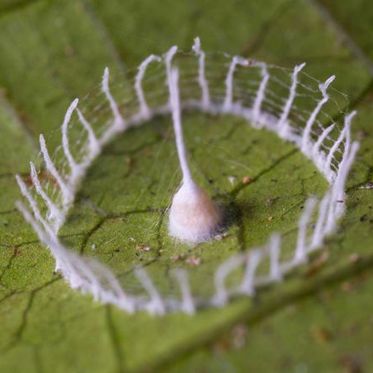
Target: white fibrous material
[
  {"x": 193, "y": 216},
  {"x": 266, "y": 97}
]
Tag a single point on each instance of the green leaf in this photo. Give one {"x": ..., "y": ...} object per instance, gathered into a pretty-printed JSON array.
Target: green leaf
[{"x": 53, "y": 51}]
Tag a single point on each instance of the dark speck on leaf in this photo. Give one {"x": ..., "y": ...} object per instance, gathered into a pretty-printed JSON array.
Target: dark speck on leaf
[{"x": 352, "y": 364}]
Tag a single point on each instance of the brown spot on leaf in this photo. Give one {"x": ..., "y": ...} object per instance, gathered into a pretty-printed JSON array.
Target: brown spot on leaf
[
  {"x": 143, "y": 248},
  {"x": 321, "y": 334},
  {"x": 351, "y": 364},
  {"x": 177, "y": 258},
  {"x": 246, "y": 180},
  {"x": 316, "y": 265},
  {"x": 193, "y": 261}
]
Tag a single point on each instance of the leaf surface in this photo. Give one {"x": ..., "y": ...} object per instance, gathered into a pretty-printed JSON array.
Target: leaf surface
[{"x": 53, "y": 51}]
